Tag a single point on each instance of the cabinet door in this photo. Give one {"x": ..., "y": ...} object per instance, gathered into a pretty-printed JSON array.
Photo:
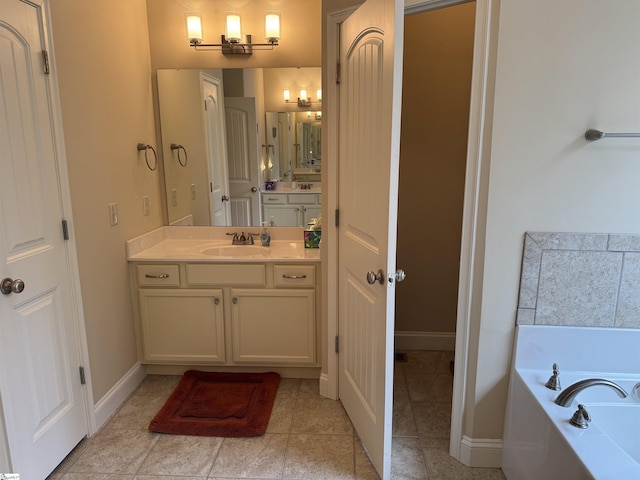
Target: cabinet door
[
  {"x": 311, "y": 212},
  {"x": 273, "y": 326},
  {"x": 283, "y": 215},
  {"x": 182, "y": 326}
]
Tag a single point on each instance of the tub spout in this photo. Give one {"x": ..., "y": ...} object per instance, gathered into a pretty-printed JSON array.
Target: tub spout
[{"x": 568, "y": 394}]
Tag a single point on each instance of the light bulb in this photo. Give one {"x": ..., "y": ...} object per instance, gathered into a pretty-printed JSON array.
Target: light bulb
[
  {"x": 272, "y": 26},
  {"x": 233, "y": 27},
  {"x": 194, "y": 28}
]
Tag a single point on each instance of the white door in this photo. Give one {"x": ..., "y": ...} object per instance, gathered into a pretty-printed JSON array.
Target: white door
[
  {"x": 42, "y": 397},
  {"x": 370, "y": 94},
  {"x": 242, "y": 147},
  {"x": 216, "y": 150}
]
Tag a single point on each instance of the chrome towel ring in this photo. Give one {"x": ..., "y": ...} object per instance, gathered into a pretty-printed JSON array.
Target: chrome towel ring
[
  {"x": 175, "y": 146},
  {"x": 146, "y": 148}
]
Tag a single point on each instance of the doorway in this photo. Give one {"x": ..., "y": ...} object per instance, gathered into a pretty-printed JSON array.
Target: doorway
[
  {"x": 437, "y": 68},
  {"x": 438, "y": 56}
]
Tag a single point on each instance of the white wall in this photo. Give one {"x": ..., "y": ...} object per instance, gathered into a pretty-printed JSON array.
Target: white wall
[{"x": 562, "y": 67}]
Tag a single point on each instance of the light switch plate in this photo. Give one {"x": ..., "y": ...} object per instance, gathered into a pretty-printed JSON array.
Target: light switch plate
[
  {"x": 113, "y": 214},
  {"x": 193, "y": 191},
  {"x": 174, "y": 197},
  {"x": 146, "y": 208}
]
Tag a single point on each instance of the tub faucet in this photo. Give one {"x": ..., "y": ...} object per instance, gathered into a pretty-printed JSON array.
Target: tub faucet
[{"x": 568, "y": 394}]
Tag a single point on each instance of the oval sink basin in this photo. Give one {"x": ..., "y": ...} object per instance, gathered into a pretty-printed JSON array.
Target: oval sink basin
[{"x": 237, "y": 251}]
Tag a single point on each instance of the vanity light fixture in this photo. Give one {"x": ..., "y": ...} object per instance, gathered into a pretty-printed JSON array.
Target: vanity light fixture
[
  {"x": 287, "y": 94},
  {"x": 232, "y": 42},
  {"x": 319, "y": 94},
  {"x": 303, "y": 100}
]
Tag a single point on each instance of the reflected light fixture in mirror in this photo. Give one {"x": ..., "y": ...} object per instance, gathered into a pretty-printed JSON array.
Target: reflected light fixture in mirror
[
  {"x": 232, "y": 42},
  {"x": 303, "y": 100}
]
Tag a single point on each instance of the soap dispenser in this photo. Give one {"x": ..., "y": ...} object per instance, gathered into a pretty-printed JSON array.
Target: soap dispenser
[{"x": 265, "y": 236}]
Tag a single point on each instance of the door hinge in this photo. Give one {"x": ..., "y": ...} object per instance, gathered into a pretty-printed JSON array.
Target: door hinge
[
  {"x": 337, "y": 217},
  {"x": 65, "y": 229},
  {"x": 45, "y": 62},
  {"x": 83, "y": 379},
  {"x": 211, "y": 186},
  {"x": 337, "y": 344},
  {"x": 338, "y": 73},
  {"x": 205, "y": 105}
]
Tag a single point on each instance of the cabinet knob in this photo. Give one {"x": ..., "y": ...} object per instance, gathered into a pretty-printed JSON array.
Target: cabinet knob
[
  {"x": 216, "y": 301},
  {"x": 235, "y": 300}
]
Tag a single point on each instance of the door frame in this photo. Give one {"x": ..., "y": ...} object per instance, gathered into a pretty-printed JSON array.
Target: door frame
[
  {"x": 69, "y": 245},
  {"x": 474, "y": 211}
]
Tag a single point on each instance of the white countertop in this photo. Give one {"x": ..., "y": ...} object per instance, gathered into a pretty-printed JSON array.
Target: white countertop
[
  {"x": 188, "y": 244},
  {"x": 296, "y": 191}
]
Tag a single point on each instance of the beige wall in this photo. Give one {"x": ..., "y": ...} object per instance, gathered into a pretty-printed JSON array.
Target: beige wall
[
  {"x": 102, "y": 61},
  {"x": 436, "y": 86}
]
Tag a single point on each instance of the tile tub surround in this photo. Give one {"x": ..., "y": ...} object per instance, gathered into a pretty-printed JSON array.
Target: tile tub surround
[
  {"x": 186, "y": 243},
  {"x": 580, "y": 279}
]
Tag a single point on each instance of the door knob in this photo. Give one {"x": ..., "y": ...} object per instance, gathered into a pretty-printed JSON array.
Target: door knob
[
  {"x": 225, "y": 198},
  {"x": 8, "y": 286},
  {"x": 372, "y": 277},
  {"x": 400, "y": 275},
  {"x": 254, "y": 189}
]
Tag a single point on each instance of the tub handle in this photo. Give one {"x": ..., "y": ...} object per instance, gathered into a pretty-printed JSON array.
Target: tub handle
[{"x": 581, "y": 417}]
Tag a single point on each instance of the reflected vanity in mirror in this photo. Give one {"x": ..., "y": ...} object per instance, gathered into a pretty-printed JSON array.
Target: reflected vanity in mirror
[{"x": 235, "y": 152}]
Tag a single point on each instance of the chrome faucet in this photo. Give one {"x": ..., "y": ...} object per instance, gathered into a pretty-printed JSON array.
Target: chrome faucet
[
  {"x": 568, "y": 394},
  {"x": 242, "y": 239}
]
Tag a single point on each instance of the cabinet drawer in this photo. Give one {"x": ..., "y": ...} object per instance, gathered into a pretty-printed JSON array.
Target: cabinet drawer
[
  {"x": 161, "y": 275},
  {"x": 294, "y": 275},
  {"x": 303, "y": 198},
  {"x": 220, "y": 274},
  {"x": 274, "y": 199}
]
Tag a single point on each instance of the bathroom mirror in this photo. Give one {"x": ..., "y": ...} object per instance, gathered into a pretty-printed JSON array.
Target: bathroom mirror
[
  {"x": 216, "y": 164},
  {"x": 294, "y": 142}
]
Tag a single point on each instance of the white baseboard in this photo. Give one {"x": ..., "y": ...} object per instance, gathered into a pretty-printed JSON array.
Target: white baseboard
[
  {"x": 425, "y": 340},
  {"x": 115, "y": 397},
  {"x": 481, "y": 452}
]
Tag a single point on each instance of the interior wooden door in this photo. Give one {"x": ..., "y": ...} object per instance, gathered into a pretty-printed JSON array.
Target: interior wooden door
[
  {"x": 370, "y": 94},
  {"x": 242, "y": 146},
  {"x": 42, "y": 397}
]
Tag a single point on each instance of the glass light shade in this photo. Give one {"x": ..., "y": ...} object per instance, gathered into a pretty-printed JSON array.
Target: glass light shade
[
  {"x": 272, "y": 26},
  {"x": 194, "y": 28},
  {"x": 319, "y": 94},
  {"x": 303, "y": 94},
  {"x": 234, "y": 32},
  {"x": 287, "y": 94}
]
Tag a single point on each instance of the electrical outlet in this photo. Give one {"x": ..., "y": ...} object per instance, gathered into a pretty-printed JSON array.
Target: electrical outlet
[
  {"x": 193, "y": 191},
  {"x": 113, "y": 214},
  {"x": 145, "y": 205},
  {"x": 174, "y": 197}
]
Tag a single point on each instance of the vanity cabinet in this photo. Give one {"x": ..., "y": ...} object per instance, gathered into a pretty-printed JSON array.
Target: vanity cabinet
[
  {"x": 262, "y": 314},
  {"x": 291, "y": 209}
]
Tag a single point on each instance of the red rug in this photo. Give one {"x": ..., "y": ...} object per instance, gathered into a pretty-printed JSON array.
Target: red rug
[{"x": 217, "y": 404}]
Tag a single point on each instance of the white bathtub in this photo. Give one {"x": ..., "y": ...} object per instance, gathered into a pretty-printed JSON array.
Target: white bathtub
[{"x": 539, "y": 441}]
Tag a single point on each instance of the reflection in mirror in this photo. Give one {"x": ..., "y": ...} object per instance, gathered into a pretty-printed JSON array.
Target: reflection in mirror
[{"x": 237, "y": 174}]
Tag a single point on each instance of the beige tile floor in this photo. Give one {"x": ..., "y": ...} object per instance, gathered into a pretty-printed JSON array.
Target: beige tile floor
[{"x": 309, "y": 437}]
